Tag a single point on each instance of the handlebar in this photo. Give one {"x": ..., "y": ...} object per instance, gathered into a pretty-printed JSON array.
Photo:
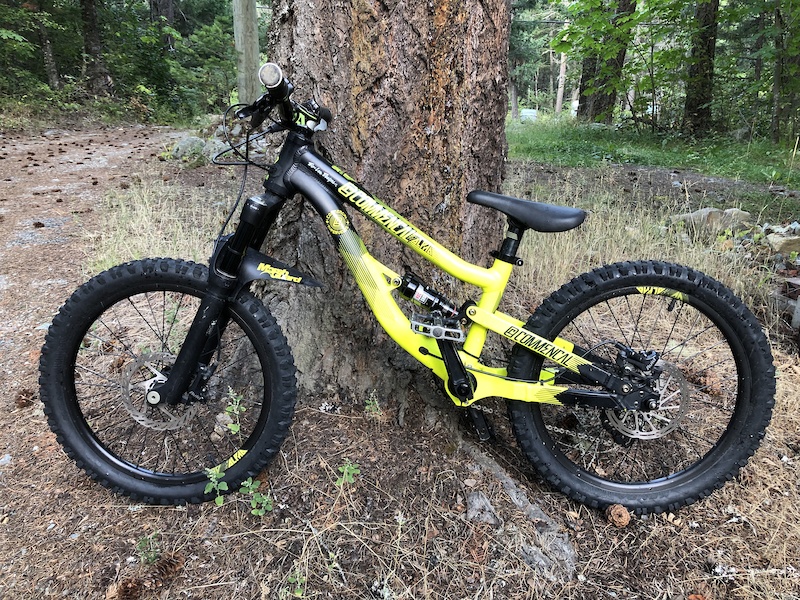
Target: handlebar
[{"x": 308, "y": 116}]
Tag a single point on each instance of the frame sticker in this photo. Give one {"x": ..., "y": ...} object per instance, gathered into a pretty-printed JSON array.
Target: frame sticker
[{"x": 337, "y": 222}]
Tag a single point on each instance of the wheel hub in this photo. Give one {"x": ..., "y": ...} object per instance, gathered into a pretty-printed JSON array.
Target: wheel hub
[
  {"x": 133, "y": 387},
  {"x": 666, "y": 414}
]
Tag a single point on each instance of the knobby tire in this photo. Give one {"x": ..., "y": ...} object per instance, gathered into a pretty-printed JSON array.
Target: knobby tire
[
  {"x": 116, "y": 333},
  {"x": 716, "y": 390}
]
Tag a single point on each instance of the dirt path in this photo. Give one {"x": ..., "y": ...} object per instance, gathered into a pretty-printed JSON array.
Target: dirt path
[{"x": 49, "y": 188}]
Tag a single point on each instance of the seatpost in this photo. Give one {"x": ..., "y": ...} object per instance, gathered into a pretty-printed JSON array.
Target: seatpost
[{"x": 508, "y": 251}]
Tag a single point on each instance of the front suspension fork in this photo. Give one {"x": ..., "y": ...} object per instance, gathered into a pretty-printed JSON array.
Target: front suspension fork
[
  {"x": 207, "y": 324},
  {"x": 258, "y": 215}
]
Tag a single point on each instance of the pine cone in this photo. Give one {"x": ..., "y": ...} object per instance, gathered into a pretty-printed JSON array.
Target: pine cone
[{"x": 618, "y": 515}]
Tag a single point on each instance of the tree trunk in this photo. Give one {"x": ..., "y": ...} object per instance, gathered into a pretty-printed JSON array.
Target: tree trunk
[
  {"x": 777, "y": 78},
  {"x": 562, "y": 80},
  {"x": 162, "y": 9},
  {"x": 50, "y": 67},
  {"x": 98, "y": 79},
  {"x": 585, "y": 95},
  {"x": 418, "y": 92},
  {"x": 600, "y": 80},
  {"x": 512, "y": 92},
  {"x": 607, "y": 79},
  {"x": 163, "y": 13},
  {"x": 245, "y": 34},
  {"x": 697, "y": 115}
]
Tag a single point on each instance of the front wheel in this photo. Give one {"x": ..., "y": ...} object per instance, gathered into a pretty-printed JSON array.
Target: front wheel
[
  {"x": 710, "y": 366},
  {"x": 116, "y": 337}
]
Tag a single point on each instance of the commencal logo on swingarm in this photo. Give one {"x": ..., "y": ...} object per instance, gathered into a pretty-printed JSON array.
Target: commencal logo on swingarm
[
  {"x": 384, "y": 216},
  {"x": 544, "y": 348}
]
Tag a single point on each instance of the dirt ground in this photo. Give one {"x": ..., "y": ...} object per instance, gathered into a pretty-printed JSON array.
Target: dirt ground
[{"x": 400, "y": 530}]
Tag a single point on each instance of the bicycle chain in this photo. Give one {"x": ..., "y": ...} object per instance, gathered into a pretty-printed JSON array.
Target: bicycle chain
[{"x": 580, "y": 435}]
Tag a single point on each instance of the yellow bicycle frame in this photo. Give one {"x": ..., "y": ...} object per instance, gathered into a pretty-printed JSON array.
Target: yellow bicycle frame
[{"x": 377, "y": 282}]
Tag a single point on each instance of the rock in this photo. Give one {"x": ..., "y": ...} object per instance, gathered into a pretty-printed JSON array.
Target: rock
[
  {"x": 785, "y": 244},
  {"x": 714, "y": 219},
  {"x": 189, "y": 147},
  {"x": 480, "y": 509},
  {"x": 544, "y": 547},
  {"x": 212, "y": 148}
]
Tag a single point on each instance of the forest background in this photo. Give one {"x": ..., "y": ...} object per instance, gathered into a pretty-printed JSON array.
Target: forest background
[
  {"x": 711, "y": 85},
  {"x": 686, "y": 66}
]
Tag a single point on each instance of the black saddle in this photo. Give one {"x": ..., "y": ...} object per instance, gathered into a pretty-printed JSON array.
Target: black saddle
[{"x": 547, "y": 218}]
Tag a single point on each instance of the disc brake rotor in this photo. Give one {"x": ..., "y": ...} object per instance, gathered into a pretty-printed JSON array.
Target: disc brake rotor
[
  {"x": 673, "y": 402},
  {"x": 137, "y": 379}
]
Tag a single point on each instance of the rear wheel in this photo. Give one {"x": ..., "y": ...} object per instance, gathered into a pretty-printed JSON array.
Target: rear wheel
[
  {"x": 116, "y": 337},
  {"x": 713, "y": 376}
]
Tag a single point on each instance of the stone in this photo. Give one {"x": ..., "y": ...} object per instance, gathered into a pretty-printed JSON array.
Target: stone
[
  {"x": 785, "y": 244},
  {"x": 188, "y": 147},
  {"x": 480, "y": 509},
  {"x": 212, "y": 148},
  {"x": 715, "y": 219}
]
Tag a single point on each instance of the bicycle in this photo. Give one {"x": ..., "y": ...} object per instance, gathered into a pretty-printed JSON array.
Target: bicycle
[{"x": 643, "y": 383}]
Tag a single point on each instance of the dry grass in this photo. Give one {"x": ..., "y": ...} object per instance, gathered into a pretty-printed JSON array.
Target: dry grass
[
  {"x": 401, "y": 529},
  {"x": 624, "y": 226},
  {"x": 158, "y": 216}
]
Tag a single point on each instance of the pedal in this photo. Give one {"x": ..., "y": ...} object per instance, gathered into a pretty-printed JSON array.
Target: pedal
[
  {"x": 480, "y": 424},
  {"x": 438, "y": 327}
]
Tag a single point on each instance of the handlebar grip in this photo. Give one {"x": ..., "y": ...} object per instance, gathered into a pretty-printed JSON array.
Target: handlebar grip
[
  {"x": 325, "y": 114},
  {"x": 272, "y": 77}
]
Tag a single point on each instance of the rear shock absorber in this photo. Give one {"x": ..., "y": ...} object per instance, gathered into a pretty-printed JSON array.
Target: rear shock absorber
[{"x": 442, "y": 322}]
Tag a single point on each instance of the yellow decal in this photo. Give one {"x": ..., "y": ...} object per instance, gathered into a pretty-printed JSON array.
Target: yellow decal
[
  {"x": 548, "y": 349},
  {"x": 660, "y": 291},
  {"x": 341, "y": 172},
  {"x": 277, "y": 273},
  {"x": 385, "y": 217},
  {"x": 337, "y": 222},
  {"x": 234, "y": 459}
]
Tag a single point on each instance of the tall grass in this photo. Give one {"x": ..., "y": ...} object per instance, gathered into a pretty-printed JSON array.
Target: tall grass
[
  {"x": 157, "y": 218},
  {"x": 616, "y": 231}
]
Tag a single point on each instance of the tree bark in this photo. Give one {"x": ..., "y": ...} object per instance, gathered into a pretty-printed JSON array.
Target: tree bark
[
  {"x": 98, "y": 79},
  {"x": 589, "y": 67},
  {"x": 562, "y": 80},
  {"x": 163, "y": 13},
  {"x": 514, "y": 99},
  {"x": 245, "y": 34},
  {"x": 162, "y": 9},
  {"x": 700, "y": 79},
  {"x": 777, "y": 78},
  {"x": 418, "y": 92},
  {"x": 50, "y": 66}
]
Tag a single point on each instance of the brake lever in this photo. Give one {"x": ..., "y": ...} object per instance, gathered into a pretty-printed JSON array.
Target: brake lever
[
  {"x": 258, "y": 110},
  {"x": 245, "y": 112},
  {"x": 258, "y": 119}
]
